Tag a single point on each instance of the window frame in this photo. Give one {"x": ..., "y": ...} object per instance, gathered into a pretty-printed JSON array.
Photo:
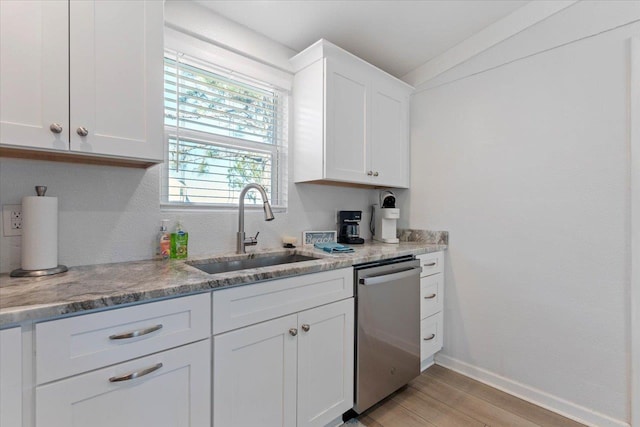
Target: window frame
[{"x": 277, "y": 151}]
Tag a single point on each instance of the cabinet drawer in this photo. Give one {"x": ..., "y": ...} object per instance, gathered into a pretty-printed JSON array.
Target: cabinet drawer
[
  {"x": 431, "y": 288},
  {"x": 246, "y": 305},
  {"x": 432, "y": 263},
  {"x": 78, "y": 344},
  {"x": 173, "y": 388},
  {"x": 430, "y": 335}
]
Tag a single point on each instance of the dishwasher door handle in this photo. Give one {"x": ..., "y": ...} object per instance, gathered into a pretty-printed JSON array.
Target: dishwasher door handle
[{"x": 385, "y": 278}]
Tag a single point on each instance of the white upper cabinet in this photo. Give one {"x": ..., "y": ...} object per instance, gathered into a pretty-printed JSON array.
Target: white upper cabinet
[
  {"x": 34, "y": 74},
  {"x": 389, "y": 149},
  {"x": 83, "y": 77},
  {"x": 117, "y": 77},
  {"x": 345, "y": 121},
  {"x": 351, "y": 120}
]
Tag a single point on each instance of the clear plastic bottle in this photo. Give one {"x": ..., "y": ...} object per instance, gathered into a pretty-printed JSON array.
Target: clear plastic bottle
[{"x": 163, "y": 250}]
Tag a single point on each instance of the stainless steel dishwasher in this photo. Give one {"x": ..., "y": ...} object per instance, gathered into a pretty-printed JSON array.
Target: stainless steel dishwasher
[{"x": 388, "y": 328}]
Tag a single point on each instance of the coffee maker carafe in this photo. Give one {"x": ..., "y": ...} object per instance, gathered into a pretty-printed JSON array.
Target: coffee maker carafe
[{"x": 349, "y": 227}]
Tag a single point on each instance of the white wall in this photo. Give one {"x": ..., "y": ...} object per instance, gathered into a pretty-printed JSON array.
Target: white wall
[
  {"x": 525, "y": 162},
  {"x": 197, "y": 20},
  {"x": 110, "y": 214}
]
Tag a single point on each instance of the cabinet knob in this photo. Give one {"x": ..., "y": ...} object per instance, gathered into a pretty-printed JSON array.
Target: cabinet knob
[
  {"x": 55, "y": 128},
  {"x": 370, "y": 173},
  {"x": 306, "y": 327},
  {"x": 375, "y": 174},
  {"x": 82, "y": 131},
  {"x": 293, "y": 332}
]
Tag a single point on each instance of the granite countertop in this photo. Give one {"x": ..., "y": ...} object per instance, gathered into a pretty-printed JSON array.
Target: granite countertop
[{"x": 98, "y": 286}]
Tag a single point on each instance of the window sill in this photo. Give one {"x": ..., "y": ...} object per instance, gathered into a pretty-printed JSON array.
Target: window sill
[{"x": 195, "y": 207}]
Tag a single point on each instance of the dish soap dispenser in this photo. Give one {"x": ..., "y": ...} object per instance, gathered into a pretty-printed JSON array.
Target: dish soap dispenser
[
  {"x": 179, "y": 243},
  {"x": 163, "y": 250}
]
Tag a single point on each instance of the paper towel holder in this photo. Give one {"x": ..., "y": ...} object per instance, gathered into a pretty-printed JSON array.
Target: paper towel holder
[
  {"x": 37, "y": 273},
  {"x": 40, "y": 191}
]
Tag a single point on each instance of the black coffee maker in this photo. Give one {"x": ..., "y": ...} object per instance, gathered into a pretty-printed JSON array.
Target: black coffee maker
[{"x": 349, "y": 227}]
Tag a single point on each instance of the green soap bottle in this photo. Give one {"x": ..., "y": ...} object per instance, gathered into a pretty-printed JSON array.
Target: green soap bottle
[{"x": 179, "y": 243}]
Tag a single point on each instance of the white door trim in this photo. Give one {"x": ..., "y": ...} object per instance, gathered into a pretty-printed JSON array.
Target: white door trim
[{"x": 634, "y": 135}]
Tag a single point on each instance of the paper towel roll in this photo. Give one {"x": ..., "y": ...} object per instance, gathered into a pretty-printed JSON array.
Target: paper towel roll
[{"x": 39, "y": 233}]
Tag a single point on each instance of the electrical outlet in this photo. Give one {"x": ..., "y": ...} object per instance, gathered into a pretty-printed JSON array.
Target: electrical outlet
[
  {"x": 12, "y": 220},
  {"x": 16, "y": 220}
]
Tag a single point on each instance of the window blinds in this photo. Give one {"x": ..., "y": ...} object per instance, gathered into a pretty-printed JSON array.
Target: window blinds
[{"x": 223, "y": 131}]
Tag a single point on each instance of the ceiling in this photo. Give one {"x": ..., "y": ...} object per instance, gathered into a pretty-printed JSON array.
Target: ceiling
[{"x": 396, "y": 36}]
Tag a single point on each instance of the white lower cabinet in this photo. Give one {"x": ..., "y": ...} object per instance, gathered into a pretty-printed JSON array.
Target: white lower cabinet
[
  {"x": 295, "y": 370},
  {"x": 11, "y": 377},
  {"x": 144, "y": 365},
  {"x": 431, "y": 332},
  {"x": 171, "y": 389},
  {"x": 79, "y": 344},
  {"x": 254, "y": 375},
  {"x": 325, "y": 363},
  {"x": 275, "y": 353},
  {"x": 431, "y": 306}
]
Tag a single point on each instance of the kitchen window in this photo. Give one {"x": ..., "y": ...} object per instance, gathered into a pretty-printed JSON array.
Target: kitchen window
[{"x": 223, "y": 131}]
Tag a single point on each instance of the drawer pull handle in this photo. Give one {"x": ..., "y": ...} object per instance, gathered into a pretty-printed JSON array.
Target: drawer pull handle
[
  {"x": 431, "y": 264},
  {"x": 136, "y": 374},
  {"x": 430, "y": 338},
  {"x": 432, "y": 296},
  {"x": 133, "y": 334}
]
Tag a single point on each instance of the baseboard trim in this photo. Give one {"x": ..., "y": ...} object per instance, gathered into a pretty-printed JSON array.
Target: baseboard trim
[{"x": 530, "y": 394}]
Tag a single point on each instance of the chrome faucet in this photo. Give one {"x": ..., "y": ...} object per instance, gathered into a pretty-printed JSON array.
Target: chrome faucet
[{"x": 241, "y": 241}]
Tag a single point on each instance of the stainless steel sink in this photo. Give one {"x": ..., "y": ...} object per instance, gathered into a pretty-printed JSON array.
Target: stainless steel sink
[{"x": 226, "y": 265}]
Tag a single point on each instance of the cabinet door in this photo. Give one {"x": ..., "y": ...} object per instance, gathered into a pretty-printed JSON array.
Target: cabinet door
[
  {"x": 325, "y": 363},
  {"x": 34, "y": 65},
  {"x": 177, "y": 394},
  {"x": 345, "y": 121},
  {"x": 254, "y": 375},
  {"x": 11, "y": 378},
  {"x": 431, "y": 336},
  {"x": 389, "y": 149},
  {"x": 116, "y": 57}
]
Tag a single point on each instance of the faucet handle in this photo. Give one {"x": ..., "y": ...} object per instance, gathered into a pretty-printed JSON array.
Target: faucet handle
[{"x": 251, "y": 241}]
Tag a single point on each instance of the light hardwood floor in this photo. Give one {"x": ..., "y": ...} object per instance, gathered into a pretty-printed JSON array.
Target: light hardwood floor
[{"x": 443, "y": 398}]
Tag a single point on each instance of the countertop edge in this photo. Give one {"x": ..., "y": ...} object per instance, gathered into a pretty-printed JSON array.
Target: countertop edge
[{"x": 190, "y": 281}]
